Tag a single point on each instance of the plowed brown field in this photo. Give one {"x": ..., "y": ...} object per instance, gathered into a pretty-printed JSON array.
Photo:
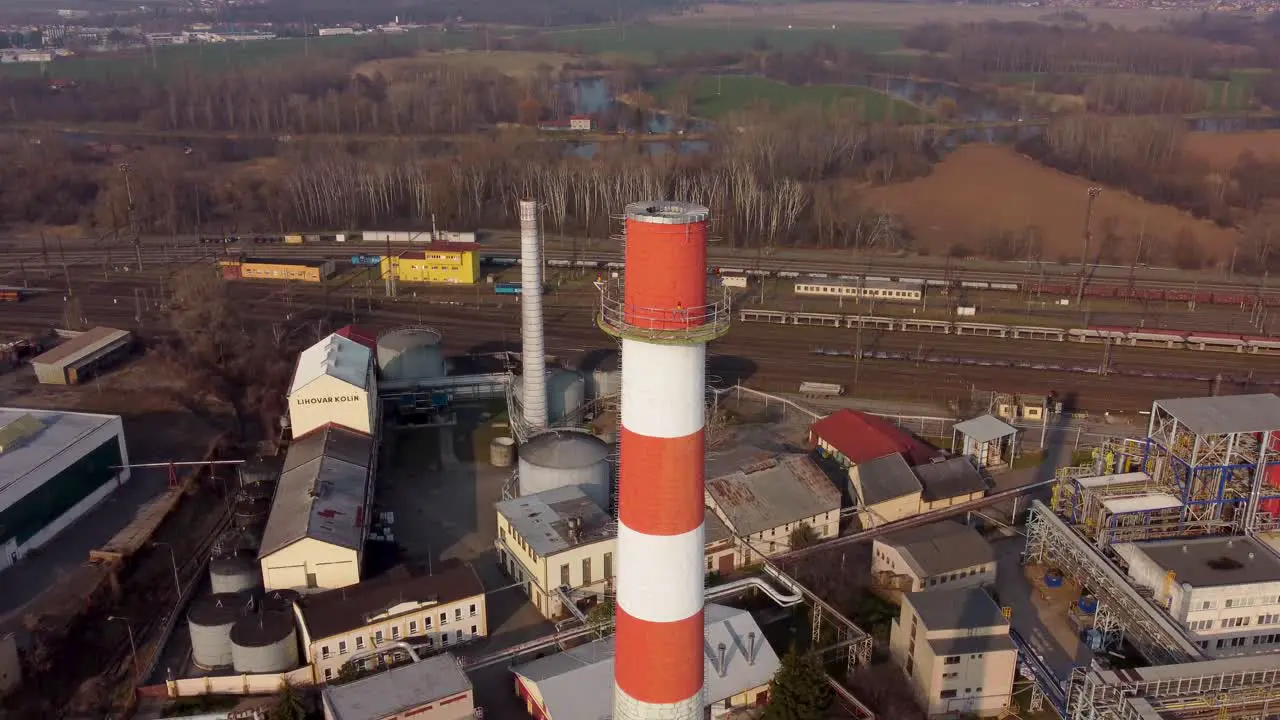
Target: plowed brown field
[
  {"x": 980, "y": 191},
  {"x": 1221, "y": 150}
]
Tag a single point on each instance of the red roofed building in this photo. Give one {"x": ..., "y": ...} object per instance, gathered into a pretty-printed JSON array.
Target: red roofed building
[
  {"x": 852, "y": 437},
  {"x": 355, "y": 333}
]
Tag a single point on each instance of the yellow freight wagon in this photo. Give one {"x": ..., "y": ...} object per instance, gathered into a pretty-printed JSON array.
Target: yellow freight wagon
[
  {"x": 293, "y": 239},
  {"x": 453, "y": 263},
  {"x": 300, "y": 270}
]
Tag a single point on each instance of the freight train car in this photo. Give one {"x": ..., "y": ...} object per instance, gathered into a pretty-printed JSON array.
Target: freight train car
[
  {"x": 11, "y": 295},
  {"x": 258, "y": 268},
  {"x": 507, "y": 288}
]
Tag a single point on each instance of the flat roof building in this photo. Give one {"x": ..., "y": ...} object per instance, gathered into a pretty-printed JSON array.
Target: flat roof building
[
  {"x": 54, "y": 468},
  {"x": 431, "y": 689},
  {"x": 765, "y": 501},
  {"x": 577, "y": 684},
  {"x": 1225, "y": 591},
  {"x": 314, "y": 538},
  {"x": 940, "y": 555},
  {"x": 80, "y": 357}
]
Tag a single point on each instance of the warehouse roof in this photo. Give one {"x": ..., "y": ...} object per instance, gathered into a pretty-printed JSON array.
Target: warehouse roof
[
  {"x": 885, "y": 478},
  {"x": 333, "y": 612},
  {"x": 949, "y": 478},
  {"x": 940, "y": 547},
  {"x": 31, "y": 438},
  {"x": 453, "y": 247},
  {"x": 321, "y": 494},
  {"x": 86, "y": 343},
  {"x": 542, "y": 519},
  {"x": 578, "y": 684},
  {"x": 1212, "y": 561},
  {"x": 335, "y": 356},
  {"x": 714, "y": 530},
  {"x": 961, "y": 609},
  {"x": 401, "y": 688},
  {"x": 985, "y": 428},
  {"x": 1226, "y": 413},
  {"x": 974, "y": 644},
  {"x": 861, "y": 437},
  {"x": 300, "y": 262},
  {"x": 772, "y": 493}
]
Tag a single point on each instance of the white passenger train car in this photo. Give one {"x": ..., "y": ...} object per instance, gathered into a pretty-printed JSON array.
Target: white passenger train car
[{"x": 867, "y": 288}]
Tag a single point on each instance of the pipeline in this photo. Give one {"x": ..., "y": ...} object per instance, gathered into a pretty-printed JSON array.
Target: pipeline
[{"x": 792, "y": 597}]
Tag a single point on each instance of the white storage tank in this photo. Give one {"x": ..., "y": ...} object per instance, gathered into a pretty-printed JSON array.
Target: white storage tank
[
  {"x": 252, "y": 512},
  {"x": 234, "y": 572},
  {"x": 210, "y": 621},
  {"x": 502, "y": 452},
  {"x": 603, "y": 371},
  {"x": 559, "y": 458},
  {"x": 264, "y": 641},
  {"x": 566, "y": 393},
  {"x": 411, "y": 353}
]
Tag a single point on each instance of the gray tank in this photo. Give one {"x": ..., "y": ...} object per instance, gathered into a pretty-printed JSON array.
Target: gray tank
[
  {"x": 252, "y": 513},
  {"x": 280, "y": 600},
  {"x": 264, "y": 642},
  {"x": 259, "y": 471},
  {"x": 234, "y": 572},
  {"x": 411, "y": 353},
  {"x": 210, "y": 621},
  {"x": 566, "y": 393},
  {"x": 257, "y": 491},
  {"x": 559, "y": 458}
]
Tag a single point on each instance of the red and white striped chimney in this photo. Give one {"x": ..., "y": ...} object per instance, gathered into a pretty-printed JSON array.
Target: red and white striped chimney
[{"x": 663, "y": 319}]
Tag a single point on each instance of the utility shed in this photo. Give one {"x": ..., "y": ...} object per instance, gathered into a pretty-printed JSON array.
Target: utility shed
[
  {"x": 314, "y": 538},
  {"x": 987, "y": 439},
  {"x": 54, "y": 468},
  {"x": 80, "y": 357},
  {"x": 430, "y": 689},
  {"x": 766, "y": 501}
]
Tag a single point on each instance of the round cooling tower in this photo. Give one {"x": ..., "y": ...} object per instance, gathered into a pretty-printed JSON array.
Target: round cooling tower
[
  {"x": 559, "y": 458},
  {"x": 566, "y": 393},
  {"x": 411, "y": 353},
  {"x": 234, "y": 572},
  {"x": 252, "y": 513},
  {"x": 264, "y": 642},
  {"x": 210, "y": 621},
  {"x": 502, "y": 452}
]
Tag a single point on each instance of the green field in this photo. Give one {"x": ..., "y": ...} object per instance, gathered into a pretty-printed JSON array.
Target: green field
[
  {"x": 1224, "y": 95},
  {"x": 715, "y": 97},
  {"x": 645, "y": 42}
]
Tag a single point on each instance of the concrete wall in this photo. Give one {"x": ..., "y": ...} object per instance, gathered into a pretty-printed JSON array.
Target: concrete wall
[
  {"x": 266, "y": 684},
  {"x": 357, "y": 411},
  {"x": 333, "y": 567}
]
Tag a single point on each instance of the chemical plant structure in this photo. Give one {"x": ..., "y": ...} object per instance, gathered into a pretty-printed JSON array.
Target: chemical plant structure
[{"x": 1173, "y": 541}]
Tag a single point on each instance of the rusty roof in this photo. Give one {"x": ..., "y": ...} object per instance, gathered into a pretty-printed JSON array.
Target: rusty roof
[{"x": 773, "y": 492}]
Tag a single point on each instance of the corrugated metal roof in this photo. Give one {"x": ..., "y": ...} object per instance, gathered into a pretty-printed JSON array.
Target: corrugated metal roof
[
  {"x": 773, "y": 493},
  {"x": 985, "y": 428},
  {"x": 949, "y": 478},
  {"x": 861, "y": 437},
  {"x": 1142, "y": 503},
  {"x": 886, "y": 478},
  {"x": 714, "y": 530},
  {"x": 338, "y": 357},
  {"x": 542, "y": 519},
  {"x": 940, "y": 547},
  {"x": 401, "y": 688},
  {"x": 321, "y": 495},
  {"x": 578, "y": 684},
  {"x": 87, "y": 342},
  {"x": 1226, "y": 413}
]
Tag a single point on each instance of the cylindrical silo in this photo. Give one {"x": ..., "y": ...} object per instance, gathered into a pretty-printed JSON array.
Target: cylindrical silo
[
  {"x": 259, "y": 471},
  {"x": 264, "y": 642},
  {"x": 251, "y": 513},
  {"x": 566, "y": 393},
  {"x": 411, "y": 353},
  {"x": 603, "y": 373},
  {"x": 558, "y": 458},
  {"x": 502, "y": 452},
  {"x": 234, "y": 572},
  {"x": 257, "y": 491},
  {"x": 280, "y": 600},
  {"x": 210, "y": 621}
]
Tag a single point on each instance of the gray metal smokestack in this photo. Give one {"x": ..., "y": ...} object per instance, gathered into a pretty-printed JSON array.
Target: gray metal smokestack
[{"x": 532, "y": 348}]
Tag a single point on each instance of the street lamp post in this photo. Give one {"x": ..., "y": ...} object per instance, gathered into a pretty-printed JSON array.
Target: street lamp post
[
  {"x": 133, "y": 647},
  {"x": 173, "y": 562}
]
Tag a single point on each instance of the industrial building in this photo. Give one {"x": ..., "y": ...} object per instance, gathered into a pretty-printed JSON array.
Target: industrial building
[
  {"x": 434, "y": 688},
  {"x": 850, "y": 437},
  {"x": 887, "y": 489},
  {"x": 54, "y": 468},
  {"x": 723, "y": 553},
  {"x": 943, "y": 555},
  {"x": 302, "y": 270},
  {"x": 862, "y": 289},
  {"x": 737, "y": 661},
  {"x": 314, "y": 538},
  {"x": 764, "y": 502},
  {"x": 334, "y": 382},
  {"x": 83, "y": 356},
  {"x": 561, "y": 543},
  {"x": 427, "y": 611},
  {"x": 954, "y": 646},
  {"x": 987, "y": 440},
  {"x": 1224, "y": 590},
  {"x": 452, "y": 263}
]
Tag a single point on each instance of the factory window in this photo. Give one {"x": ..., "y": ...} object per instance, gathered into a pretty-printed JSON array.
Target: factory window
[
  {"x": 1269, "y": 619},
  {"x": 586, "y": 571},
  {"x": 1235, "y": 622},
  {"x": 472, "y": 609},
  {"x": 324, "y": 651},
  {"x": 968, "y": 690},
  {"x": 342, "y": 647},
  {"x": 457, "y": 613},
  {"x": 359, "y": 642},
  {"x": 564, "y": 574},
  {"x": 459, "y": 636},
  {"x": 426, "y": 622},
  {"x": 473, "y": 631},
  {"x": 444, "y": 619},
  {"x": 608, "y": 566},
  {"x": 395, "y": 632},
  {"x": 444, "y": 639},
  {"x": 946, "y": 694},
  {"x": 1207, "y": 605},
  {"x": 311, "y": 580},
  {"x": 952, "y": 660},
  {"x": 948, "y": 676},
  {"x": 413, "y": 627},
  {"x": 502, "y": 534},
  {"x": 377, "y": 637}
]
